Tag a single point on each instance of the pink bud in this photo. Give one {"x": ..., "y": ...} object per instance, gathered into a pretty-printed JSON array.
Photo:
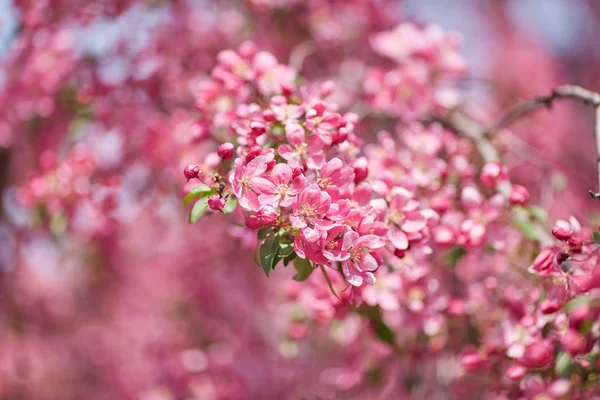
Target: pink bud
[
  {"x": 574, "y": 243},
  {"x": 573, "y": 342},
  {"x": 326, "y": 88},
  {"x": 361, "y": 169},
  {"x": 268, "y": 215},
  {"x": 516, "y": 372},
  {"x": 549, "y": 306},
  {"x": 191, "y": 171},
  {"x": 561, "y": 233},
  {"x": 399, "y": 253},
  {"x": 254, "y": 152},
  {"x": 216, "y": 202},
  {"x": 492, "y": 173},
  {"x": 444, "y": 236},
  {"x": 579, "y": 315},
  {"x": 472, "y": 361},
  {"x": 226, "y": 150},
  {"x": 471, "y": 233},
  {"x": 538, "y": 355},
  {"x": 440, "y": 204},
  {"x": 253, "y": 222},
  {"x": 519, "y": 195},
  {"x": 471, "y": 198},
  {"x": 544, "y": 262}
]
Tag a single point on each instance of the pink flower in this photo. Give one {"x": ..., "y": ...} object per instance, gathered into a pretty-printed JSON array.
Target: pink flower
[
  {"x": 335, "y": 176},
  {"x": 247, "y": 182},
  {"x": 544, "y": 262},
  {"x": 322, "y": 122},
  {"x": 358, "y": 268},
  {"x": 286, "y": 186},
  {"x": 310, "y": 208},
  {"x": 404, "y": 218},
  {"x": 300, "y": 151}
]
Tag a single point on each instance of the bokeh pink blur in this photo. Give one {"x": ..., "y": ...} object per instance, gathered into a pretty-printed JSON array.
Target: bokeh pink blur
[{"x": 107, "y": 292}]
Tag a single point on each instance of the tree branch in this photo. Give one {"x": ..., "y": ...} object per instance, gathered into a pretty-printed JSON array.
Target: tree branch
[{"x": 460, "y": 122}]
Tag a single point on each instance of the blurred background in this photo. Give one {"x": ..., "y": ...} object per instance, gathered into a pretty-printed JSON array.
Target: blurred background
[{"x": 106, "y": 292}]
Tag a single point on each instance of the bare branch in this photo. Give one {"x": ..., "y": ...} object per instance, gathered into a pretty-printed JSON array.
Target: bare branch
[
  {"x": 526, "y": 107},
  {"x": 460, "y": 122}
]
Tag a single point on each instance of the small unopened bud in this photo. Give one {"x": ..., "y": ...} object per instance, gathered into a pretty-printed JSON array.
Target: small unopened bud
[
  {"x": 575, "y": 244},
  {"x": 191, "y": 171},
  {"x": 574, "y": 342},
  {"x": 471, "y": 361},
  {"x": 516, "y": 372},
  {"x": 361, "y": 169},
  {"x": 549, "y": 306},
  {"x": 226, "y": 151},
  {"x": 538, "y": 355},
  {"x": 254, "y": 152},
  {"x": 561, "y": 233},
  {"x": 268, "y": 215},
  {"x": 399, "y": 253},
  {"x": 492, "y": 173},
  {"x": 519, "y": 195},
  {"x": 216, "y": 202},
  {"x": 253, "y": 222}
]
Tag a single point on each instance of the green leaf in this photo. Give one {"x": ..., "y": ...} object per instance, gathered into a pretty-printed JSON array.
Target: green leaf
[
  {"x": 576, "y": 302},
  {"x": 199, "y": 208},
  {"x": 195, "y": 192},
  {"x": 303, "y": 269},
  {"x": 329, "y": 282},
  {"x": 538, "y": 213},
  {"x": 456, "y": 254},
  {"x": 285, "y": 249},
  {"x": 230, "y": 205},
  {"x": 289, "y": 259},
  {"x": 564, "y": 365},
  {"x": 264, "y": 232},
  {"x": 268, "y": 254},
  {"x": 383, "y": 332},
  {"x": 528, "y": 228},
  {"x": 596, "y": 236}
]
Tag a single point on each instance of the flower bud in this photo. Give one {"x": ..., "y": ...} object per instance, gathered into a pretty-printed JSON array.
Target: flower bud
[
  {"x": 226, "y": 151},
  {"x": 216, "y": 202},
  {"x": 254, "y": 152},
  {"x": 470, "y": 198},
  {"x": 573, "y": 342},
  {"x": 544, "y": 262},
  {"x": 268, "y": 215},
  {"x": 191, "y": 171},
  {"x": 253, "y": 222},
  {"x": 472, "y": 361},
  {"x": 575, "y": 244},
  {"x": 579, "y": 315},
  {"x": 538, "y": 355},
  {"x": 561, "y": 232},
  {"x": 492, "y": 173},
  {"x": 361, "y": 169},
  {"x": 444, "y": 236},
  {"x": 516, "y": 372},
  {"x": 519, "y": 195},
  {"x": 549, "y": 306}
]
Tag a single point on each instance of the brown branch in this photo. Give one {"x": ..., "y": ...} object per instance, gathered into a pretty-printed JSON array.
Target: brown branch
[
  {"x": 460, "y": 122},
  {"x": 526, "y": 107}
]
